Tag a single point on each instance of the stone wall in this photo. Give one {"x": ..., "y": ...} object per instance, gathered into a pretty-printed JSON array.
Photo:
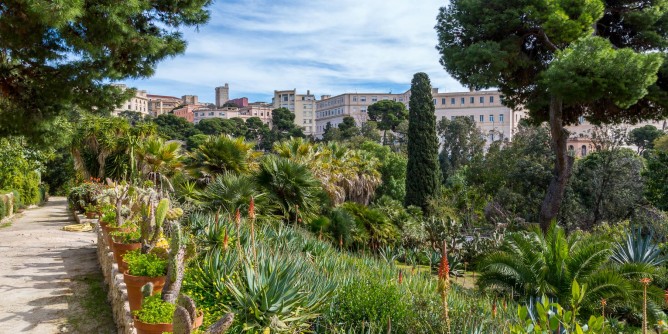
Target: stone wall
[{"x": 117, "y": 294}]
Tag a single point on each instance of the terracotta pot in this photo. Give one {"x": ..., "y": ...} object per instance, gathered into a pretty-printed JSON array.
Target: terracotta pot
[
  {"x": 134, "y": 284},
  {"x": 107, "y": 236},
  {"x": 144, "y": 328},
  {"x": 91, "y": 215},
  {"x": 198, "y": 321},
  {"x": 119, "y": 250}
]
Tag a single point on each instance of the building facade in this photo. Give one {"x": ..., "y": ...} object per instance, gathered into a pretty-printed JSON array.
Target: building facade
[
  {"x": 240, "y": 102},
  {"x": 302, "y": 105},
  {"x": 485, "y": 108},
  {"x": 161, "y": 104},
  {"x": 137, "y": 103},
  {"x": 580, "y": 141},
  {"x": 186, "y": 112},
  {"x": 222, "y": 95},
  {"x": 258, "y": 109},
  {"x": 333, "y": 109}
]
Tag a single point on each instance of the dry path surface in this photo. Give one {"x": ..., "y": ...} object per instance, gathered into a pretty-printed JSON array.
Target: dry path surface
[{"x": 49, "y": 278}]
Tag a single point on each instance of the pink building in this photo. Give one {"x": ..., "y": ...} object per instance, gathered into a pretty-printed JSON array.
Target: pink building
[
  {"x": 186, "y": 112},
  {"x": 241, "y": 102}
]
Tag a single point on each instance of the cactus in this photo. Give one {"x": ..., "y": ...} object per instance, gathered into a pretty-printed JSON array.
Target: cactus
[
  {"x": 182, "y": 322},
  {"x": 161, "y": 212},
  {"x": 174, "y": 214},
  {"x": 221, "y": 325},
  {"x": 176, "y": 267}
]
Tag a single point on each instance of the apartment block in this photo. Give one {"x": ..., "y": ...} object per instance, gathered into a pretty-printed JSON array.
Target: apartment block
[
  {"x": 162, "y": 104},
  {"x": 333, "y": 109},
  {"x": 485, "y": 108},
  {"x": 302, "y": 105},
  {"x": 137, "y": 103},
  {"x": 580, "y": 141},
  {"x": 260, "y": 110}
]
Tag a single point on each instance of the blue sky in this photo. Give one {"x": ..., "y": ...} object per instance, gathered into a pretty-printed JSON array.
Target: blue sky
[{"x": 327, "y": 47}]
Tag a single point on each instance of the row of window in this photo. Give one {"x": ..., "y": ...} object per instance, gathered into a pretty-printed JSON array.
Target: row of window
[
  {"x": 481, "y": 119},
  {"x": 211, "y": 113},
  {"x": 331, "y": 112},
  {"x": 462, "y": 100}
]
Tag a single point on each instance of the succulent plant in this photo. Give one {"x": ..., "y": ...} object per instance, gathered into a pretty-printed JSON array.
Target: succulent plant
[
  {"x": 176, "y": 267},
  {"x": 186, "y": 313}
]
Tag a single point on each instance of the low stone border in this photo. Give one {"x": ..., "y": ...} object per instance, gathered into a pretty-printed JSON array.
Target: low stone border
[{"x": 117, "y": 295}]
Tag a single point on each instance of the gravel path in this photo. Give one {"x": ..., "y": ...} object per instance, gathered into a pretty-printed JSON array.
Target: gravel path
[{"x": 49, "y": 278}]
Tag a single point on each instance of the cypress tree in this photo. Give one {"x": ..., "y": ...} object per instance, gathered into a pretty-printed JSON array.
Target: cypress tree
[{"x": 422, "y": 172}]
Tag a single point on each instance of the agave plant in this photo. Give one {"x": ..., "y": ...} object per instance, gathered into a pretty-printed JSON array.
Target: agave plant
[
  {"x": 278, "y": 293},
  {"x": 637, "y": 248}
]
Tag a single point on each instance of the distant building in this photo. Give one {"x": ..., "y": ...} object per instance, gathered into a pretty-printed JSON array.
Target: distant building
[
  {"x": 333, "y": 109},
  {"x": 259, "y": 110},
  {"x": 302, "y": 105},
  {"x": 222, "y": 95},
  {"x": 240, "y": 102},
  {"x": 485, "y": 108},
  {"x": 580, "y": 141},
  {"x": 190, "y": 99},
  {"x": 137, "y": 103},
  {"x": 161, "y": 104},
  {"x": 186, "y": 112}
]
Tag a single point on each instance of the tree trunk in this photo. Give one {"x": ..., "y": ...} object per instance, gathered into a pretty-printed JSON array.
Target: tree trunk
[{"x": 562, "y": 168}]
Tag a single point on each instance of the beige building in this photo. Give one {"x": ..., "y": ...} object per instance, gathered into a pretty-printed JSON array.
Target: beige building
[
  {"x": 485, "y": 108},
  {"x": 161, "y": 104},
  {"x": 258, "y": 109},
  {"x": 333, "y": 109},
  {"x": 137, "y": 103},
  {"x": 302, "y": 105},
  {"x": 222, "y": 95},
  {"x": 580, "y": 141}
]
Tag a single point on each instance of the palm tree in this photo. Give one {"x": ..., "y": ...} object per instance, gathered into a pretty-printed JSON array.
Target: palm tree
[
  {"x": 101, "y": 137},
  {"x": 533, "y": 264},
  {"x": 158, "y": 159},
  {"x": 291, "y": 185},
  {"x": 220, "y": 154},
  {"x": 229, "y": 192}
]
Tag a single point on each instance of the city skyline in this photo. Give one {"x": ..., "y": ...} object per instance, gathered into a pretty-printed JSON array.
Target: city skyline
[{"x": 260, "y": 46}]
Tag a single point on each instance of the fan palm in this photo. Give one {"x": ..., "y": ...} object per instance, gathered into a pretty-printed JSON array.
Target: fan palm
[
  {"x": 220, "y": 154},
  {"x": 291, "y": 185},
  {"x": 159, "y": 159},
  {"x": 229, "y": 192}
]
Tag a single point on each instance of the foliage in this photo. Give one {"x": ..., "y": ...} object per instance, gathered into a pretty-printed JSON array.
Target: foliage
[
  {"x": 272, "y": 294},
  {"x": 462, "y": 141},
  {"x": 387, "y": 115},
  {"x": 220, "y": 154},
  {"x": 128, "y": 233},
  {"x": 291, "y": 186},
  {"x": 607, "y": 186},
  {"x": 638, "y": 248},
  {"x": 656, "y": 179},
  {"x": 283, "y": 126},
  {"x": 19, "y": 166},
  {"x": 422, "y": 163},
  {"x": 392, "y": 169},
  {"x": 158, "y": 159},
  {"x": 229, "y": 192},
  {"x": 374, "y": 229},
  {"x": 149, "y": 265},
  {"x": 42, "y": 80},
  {"x": 644, "y": 137},
  {"x": 155, "y": 311},
  {"x": 172, "y": 127}
]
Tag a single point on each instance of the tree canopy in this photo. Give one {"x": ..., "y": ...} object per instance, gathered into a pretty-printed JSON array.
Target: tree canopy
[
  {"x": 388, "y": 115},
  {"x": 59, "y": 56},
  {"x": 561, "y": 60}
]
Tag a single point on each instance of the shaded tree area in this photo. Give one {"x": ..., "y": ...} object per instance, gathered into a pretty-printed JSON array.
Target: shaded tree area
[
  {"x": 40, "y": 78},
  {"x": 560, "y": 66},
  {"x": 388, "y": 115},
  {"x": 462, "y": 143},
  {"x": 644, "y": 137}
]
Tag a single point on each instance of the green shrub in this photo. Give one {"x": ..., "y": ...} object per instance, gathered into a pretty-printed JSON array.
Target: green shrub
[
  {"x": 3, "y": 206},
  {"x": 18, "y": 201},
  {"x": 155, "y": 311},
  {"x": 128, "y": 234},
  {"x": 149, "y": 265},
  {"x": 371, "y": 303}
]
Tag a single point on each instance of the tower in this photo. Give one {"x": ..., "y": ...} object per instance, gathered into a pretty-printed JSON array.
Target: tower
[{"x": 222, "y": 95}]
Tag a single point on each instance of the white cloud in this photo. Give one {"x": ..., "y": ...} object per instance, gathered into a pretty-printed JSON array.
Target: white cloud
[{"x": 329, "y": 47}]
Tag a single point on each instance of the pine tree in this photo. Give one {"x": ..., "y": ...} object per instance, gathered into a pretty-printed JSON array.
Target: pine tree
[{"x": 422, "y": 172}]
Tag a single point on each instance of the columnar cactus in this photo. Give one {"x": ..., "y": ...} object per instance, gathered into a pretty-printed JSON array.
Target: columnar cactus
[{"x": 176, "y": 267}]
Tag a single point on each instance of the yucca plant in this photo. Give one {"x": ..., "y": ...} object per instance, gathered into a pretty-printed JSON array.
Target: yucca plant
[{"x": 278, "y": 293}]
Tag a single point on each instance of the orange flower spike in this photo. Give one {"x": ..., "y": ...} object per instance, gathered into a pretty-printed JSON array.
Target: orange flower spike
[
  {"x": 251, "y": 208},
  {"x": 226, "y": 240},
  {"x": 401, "y": 276},
  {"x": 444, "y": 268},
  {"x": 646, "y": 281},
  {"x": 237, "y": 217},
  {"x": 666, "y": 296}
]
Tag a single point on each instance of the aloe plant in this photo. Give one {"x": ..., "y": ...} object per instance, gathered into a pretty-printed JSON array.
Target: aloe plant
[{"x": 278, "y": 293}]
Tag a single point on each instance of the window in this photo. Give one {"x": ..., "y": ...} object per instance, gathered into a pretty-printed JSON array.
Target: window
[
  {"x": 443, "y": 101},
  {"x": 374, "y": 99},
  {"x": 471, "y": 117},
  {"x": 285, "y": 98},
  {"x": 363, "y": 99},
  {"x": 501, "y": 118},
  {"x": 482, "y": 119},
  {"x": 581, "y": 119},
  {"x": 363, "y": 110},
  {"x": 472, "y": 99},
  {"x": 221, "y": 114},
  {"x": 401, "y": 99},
  {"x": 463, "y": 100},
  {"x": 491, "y": 118},
  {"x": 303, "y": 98},
  {"x": 491, "y": 99},
  {"x": 584, "y": 150},
  {"x": 482, "y": 99},
  {"x": 452, "y": 118},
  {"x": 385, "y": 98},
  {"x": 452, "y": 100},
  {"x": 434, "y": 101},
  {"x": 211, "y": 113},
  {"x": 354, "y": 98}
]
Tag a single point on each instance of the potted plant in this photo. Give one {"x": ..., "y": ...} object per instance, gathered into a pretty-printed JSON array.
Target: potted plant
[
  {"x": 91, "y": 211},
  {"x": 123, "y": 240},
  {"x": 155, "y": 316},
  {"x": 143, "y": 269}
]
